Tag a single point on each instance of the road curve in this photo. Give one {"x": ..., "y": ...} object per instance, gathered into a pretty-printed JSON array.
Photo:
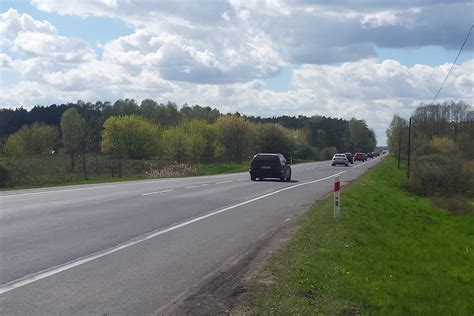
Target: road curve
[{"x": 134, "y": 247}]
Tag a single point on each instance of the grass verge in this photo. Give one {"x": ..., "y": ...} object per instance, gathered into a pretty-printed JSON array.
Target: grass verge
[
  {"x": 218, "y": 168},
  {"x": 389, "y": 253},
  {"x": 208, "y": 169}
]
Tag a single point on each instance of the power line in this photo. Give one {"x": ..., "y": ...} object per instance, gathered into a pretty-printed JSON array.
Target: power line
[{"x": 452, "y": 66}]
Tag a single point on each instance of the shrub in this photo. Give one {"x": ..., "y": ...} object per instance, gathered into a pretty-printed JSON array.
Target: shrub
[
  {"x": 307, "y": 152},
  {"x": 439, "y": 170},
  {"x": 4, "y": 176},
  {"x": 179, "y": 170},
  {"x": 327, "y": 153}
]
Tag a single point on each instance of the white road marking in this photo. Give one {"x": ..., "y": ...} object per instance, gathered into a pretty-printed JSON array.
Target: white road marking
[
  {"x": 157, "y": 192},
  {"x": 240, "y": 179},
  {"x": 87, "y": 188},
  {"x": 28, "y": 279},
  {"x": 204, "y": 185},
  {"x": 373, "y": 159},
  {"x": 192, "y": 187},
  {"x": 222, "y": 182}
]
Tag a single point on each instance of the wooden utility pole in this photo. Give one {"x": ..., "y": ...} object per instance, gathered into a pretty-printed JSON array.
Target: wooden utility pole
[
  {"x": 409, "y": 149},
  {"x": 399, "y": 144}
]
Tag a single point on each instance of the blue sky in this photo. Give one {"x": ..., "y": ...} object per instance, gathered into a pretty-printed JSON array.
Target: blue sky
[{"x": 285, "y": 57}]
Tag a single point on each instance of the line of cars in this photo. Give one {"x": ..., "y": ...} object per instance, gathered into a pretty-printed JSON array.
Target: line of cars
[
  {"x": 274, "y": 165},
  {"x": 347, "y": 158}
]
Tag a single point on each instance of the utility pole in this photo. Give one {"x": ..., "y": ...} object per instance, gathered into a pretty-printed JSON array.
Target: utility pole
[
  {"x": 409, "y": 149},
  {"x": 399, "y": 144}
]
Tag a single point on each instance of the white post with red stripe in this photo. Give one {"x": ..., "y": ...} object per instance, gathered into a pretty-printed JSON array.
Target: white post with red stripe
[{"x": 337, "y": 196}]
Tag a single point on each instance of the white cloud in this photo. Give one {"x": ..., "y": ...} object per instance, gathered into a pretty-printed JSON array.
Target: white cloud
[
  {"x": 217, "y": 58},
  {"x": 52, "y": 46},
  {"x": 30, "y": 38},
  {"x": 12, "y": 23},
  {"x": 219, "y": 53}
]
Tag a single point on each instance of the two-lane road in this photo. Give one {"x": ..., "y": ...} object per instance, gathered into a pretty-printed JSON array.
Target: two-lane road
[{"x": 134, "y": 247}]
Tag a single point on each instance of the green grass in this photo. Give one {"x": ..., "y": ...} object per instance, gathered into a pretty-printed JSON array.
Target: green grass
[
  {"x": 218, "y": 168},
  {"x": 389, "y": 253}
]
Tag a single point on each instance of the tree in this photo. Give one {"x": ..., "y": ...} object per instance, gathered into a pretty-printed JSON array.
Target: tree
[
  {"x": 275, "y": 138},
  {"x": 130, "y": 137},
  {"x": 175, "y": 144},
  {"x": 198, "y": 141},
  {"x": 13, "y": 148},
  {"x": 236, "y": 135},
  {"x": 74, "y": 136},
  {"x": 396, "y": 133},
  {"x": 37, "y": 139}
]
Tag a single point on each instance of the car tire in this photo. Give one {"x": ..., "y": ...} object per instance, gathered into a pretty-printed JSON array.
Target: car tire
[
  {"x": 289, "y": 178},
  {"x": 347, "y": 165},
  {"x": 333, "y": 164},
  {"x": 253, "y": 178}
]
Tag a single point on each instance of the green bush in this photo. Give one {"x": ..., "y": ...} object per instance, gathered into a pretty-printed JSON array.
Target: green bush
[
  {"x": 327, "y": 153},
  {"x": 307, "y": 152},
  {"x": 4, "y": 176},
  {"x": 439, "y": 170}
]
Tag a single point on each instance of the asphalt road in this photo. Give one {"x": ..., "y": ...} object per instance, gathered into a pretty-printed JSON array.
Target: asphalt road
[{"x": 135, "y": 247}]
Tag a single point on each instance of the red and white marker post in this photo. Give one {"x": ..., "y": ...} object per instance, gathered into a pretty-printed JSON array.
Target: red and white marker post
[{"x": 337, "y": 196}]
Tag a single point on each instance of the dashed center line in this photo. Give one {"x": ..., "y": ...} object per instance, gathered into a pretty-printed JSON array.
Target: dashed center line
[
  {"x": 240, "y": 179},
  {"x": 222, "y": 182},
  {"x": 192, "y": 187},
  {"x": 158, "y": 192}
]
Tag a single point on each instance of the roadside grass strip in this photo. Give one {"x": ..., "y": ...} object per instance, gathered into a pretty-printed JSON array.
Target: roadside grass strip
[{"x": 389, "y": 253}]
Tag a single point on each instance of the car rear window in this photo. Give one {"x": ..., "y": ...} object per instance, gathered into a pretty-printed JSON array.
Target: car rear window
[
  {"x": 340, "y": 155},
  {"x": 266, "y": 158}
]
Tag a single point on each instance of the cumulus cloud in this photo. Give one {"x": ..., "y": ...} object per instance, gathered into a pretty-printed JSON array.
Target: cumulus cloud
[
  {"x": 220, "y": 53},
  {"x": 13, "y": 23},
  {"x": 221, "y": 58},
  {"x": 316, "y": 32},
  {"x": 21, "y": 34}
]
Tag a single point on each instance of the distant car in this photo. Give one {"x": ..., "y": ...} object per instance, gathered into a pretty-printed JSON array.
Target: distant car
[
  {"x": 269, "y": 165},
  {"x": 359, "y": 157},
  {"x": 349, "y": 157},
  {"x": 340, "y": 159},
  {"x": 370, "y": 155}
]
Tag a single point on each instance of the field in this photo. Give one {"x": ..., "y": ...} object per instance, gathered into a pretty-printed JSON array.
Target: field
[{"x": 389, "y": 253}]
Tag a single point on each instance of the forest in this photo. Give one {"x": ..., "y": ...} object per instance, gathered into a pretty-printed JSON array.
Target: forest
[{"x": 68, "y": 142}]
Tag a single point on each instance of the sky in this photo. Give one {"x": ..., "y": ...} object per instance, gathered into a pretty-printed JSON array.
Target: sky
[{"x": 341, "y": 58}]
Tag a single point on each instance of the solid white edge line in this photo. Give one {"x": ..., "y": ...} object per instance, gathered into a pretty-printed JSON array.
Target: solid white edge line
[
  {"x": 157, "y": 192},
  {"x": 4, "y": 288}
]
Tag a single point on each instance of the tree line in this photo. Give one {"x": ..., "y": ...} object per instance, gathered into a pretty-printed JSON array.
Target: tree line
[
  {"x": 441, "y": 146},
  {"x": 193, "y": 134}
]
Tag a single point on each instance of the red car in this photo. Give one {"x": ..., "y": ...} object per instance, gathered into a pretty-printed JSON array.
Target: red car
[{"x": 359, "y": 157}]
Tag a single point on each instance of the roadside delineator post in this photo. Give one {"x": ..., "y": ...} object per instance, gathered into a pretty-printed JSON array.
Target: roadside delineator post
[{"x": 337, "y": 196}]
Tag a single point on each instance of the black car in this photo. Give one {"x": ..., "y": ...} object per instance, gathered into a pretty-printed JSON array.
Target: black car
[
  {"x": 349, "y": 157},
  {"x": 269, "y": 166},
  {"x": 370, "y": 155}
]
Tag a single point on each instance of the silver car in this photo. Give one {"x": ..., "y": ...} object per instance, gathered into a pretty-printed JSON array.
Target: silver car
[{"x": 340, "y": 159}]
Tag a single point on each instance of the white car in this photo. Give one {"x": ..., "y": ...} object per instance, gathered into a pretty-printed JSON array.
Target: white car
[{"x": 340, "y": 159}]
